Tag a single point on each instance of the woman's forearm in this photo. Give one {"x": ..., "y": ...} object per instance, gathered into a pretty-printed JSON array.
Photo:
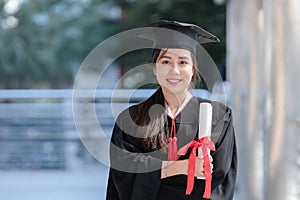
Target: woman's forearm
[{"x": 172, "y": 168}]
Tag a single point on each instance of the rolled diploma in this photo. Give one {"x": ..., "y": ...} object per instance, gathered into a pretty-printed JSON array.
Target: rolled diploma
[{"x": 205, "y": 120}]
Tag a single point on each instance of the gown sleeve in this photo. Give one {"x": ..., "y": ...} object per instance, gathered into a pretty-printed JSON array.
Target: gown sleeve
[
  {"x": 133, "y": 174},
  {"x": 224, "y": 158}
]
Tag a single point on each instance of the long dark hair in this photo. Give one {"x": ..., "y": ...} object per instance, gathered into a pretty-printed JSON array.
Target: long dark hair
[
  {"x": 152, "y": 122},
  {"x": 152, "y": 119}
]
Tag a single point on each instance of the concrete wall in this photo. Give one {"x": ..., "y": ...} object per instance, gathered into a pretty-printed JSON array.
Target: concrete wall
[{"x": 263, "y": 69}]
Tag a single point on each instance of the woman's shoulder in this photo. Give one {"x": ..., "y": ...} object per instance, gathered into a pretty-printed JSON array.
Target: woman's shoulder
[
  {"x": 127, "y": 113},
  {"x": 215, "y": 104},
  {"x": 220, "y": 110},
  {"x": 144, "y": 106}
]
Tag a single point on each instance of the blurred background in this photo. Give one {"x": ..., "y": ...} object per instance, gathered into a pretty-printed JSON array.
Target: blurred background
[{"x": 43, "y": 44}]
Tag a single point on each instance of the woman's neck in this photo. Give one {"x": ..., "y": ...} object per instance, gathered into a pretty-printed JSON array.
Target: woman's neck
[{"x": 173, "y": 100}]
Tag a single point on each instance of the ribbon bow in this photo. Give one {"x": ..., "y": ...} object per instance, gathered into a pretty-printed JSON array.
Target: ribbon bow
[{"x": 205, "y": 143}]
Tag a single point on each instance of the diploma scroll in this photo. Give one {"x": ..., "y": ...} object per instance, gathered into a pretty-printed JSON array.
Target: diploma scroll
[{"x": 205, "y": 121}]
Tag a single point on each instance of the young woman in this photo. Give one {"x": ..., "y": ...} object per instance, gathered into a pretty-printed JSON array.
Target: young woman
[{"x": 145, "y": 163}]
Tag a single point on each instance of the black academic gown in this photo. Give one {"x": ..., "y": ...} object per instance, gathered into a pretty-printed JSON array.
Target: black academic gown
[{"x": 148, "y": 185}]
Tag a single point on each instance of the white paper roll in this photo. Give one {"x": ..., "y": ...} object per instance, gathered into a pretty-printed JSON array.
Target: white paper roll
[{"x": 205, "y": 121}]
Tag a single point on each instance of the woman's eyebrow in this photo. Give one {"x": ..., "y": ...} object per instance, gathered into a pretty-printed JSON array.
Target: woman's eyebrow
[
  {"x": 184, "y": 57},
  {"x": 165, "y": 57},
  {"x": 181, "y": 57}
]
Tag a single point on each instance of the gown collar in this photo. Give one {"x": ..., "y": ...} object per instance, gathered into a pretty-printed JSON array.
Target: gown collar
[{"x": 188, "y": 97}]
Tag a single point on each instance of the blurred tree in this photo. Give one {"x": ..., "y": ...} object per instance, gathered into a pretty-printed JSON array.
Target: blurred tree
[
  {"x": 44, "y": 42},
  {"x": 48, "y": 42}
]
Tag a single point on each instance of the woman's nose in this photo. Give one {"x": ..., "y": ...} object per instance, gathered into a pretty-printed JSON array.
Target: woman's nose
[{"x": 175, "y": 68}]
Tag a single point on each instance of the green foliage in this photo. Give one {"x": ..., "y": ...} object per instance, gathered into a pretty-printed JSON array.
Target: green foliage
[{"x": 50, "y": 39}]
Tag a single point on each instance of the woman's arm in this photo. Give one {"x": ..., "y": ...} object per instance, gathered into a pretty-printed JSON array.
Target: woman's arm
[
  {"x": 173, "y": 168},
  {"x": 133, "y": 173},
  {"x": 225, "y": 159}
]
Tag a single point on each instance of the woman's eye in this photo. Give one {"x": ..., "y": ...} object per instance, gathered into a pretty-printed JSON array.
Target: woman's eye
[
  {"x": 165, "y": 62},
  {"x": 183, "y": 63}
]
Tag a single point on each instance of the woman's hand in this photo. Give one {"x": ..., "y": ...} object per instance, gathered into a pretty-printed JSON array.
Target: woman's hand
[{"x": 199, "y": 168}]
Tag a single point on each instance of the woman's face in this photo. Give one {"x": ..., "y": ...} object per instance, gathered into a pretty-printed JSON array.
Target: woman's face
[{"x": 174, "y": 70}]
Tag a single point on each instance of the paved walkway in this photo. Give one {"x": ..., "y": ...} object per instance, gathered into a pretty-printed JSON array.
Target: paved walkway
[{"x": 53, "y": 185}]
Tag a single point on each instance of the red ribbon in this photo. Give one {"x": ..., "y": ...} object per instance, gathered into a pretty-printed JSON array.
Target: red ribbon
[{"x": 205, "y": 143}]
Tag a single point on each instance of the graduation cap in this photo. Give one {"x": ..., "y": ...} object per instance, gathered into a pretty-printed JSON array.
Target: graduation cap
[{"x": 173, "y": 34}]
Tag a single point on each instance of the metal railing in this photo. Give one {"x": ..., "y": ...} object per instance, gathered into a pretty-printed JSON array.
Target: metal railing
[{"x": 37, "y": 130}]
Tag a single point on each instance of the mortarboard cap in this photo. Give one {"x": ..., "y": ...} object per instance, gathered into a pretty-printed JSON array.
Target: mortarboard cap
[{"x": 173, "y": 34}]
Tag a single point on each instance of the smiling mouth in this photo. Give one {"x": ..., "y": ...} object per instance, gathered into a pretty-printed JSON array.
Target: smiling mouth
[{"x": 174, "y": 80}]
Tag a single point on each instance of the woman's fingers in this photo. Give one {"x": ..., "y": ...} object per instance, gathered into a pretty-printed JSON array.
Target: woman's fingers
[
  {"x": 211, "y": 165},
  {"x": 199, "y": 168}
]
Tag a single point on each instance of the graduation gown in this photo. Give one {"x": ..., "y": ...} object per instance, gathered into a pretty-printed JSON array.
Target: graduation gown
[{"x": 135, "y": 172}]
